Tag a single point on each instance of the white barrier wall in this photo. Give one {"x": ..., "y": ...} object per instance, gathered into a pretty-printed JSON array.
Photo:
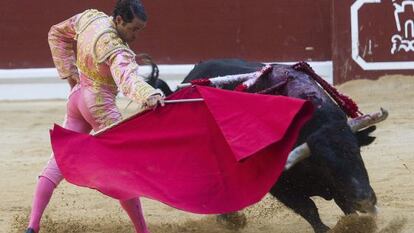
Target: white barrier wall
[{"x": 41, "y": 84}]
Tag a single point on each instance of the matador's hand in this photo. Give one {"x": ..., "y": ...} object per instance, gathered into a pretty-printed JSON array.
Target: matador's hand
[
  {"x": 73, "y": 80},
  {"x": 154, "y": 100}
]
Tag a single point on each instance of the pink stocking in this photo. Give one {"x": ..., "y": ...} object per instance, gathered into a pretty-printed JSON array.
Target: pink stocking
[
  {"x": 44, "y": 191},
  {"x": 134, "y": 211}
]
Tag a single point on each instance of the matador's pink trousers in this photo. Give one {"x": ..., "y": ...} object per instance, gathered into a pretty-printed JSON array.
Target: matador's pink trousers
[{"x": 87, "y": 109}]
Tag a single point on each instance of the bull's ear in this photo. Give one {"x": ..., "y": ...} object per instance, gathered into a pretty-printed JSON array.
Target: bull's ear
[{"x": 363, "y": 136}]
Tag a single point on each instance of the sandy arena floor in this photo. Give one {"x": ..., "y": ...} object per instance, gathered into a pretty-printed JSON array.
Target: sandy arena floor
[{"x": 24, "y": 150}]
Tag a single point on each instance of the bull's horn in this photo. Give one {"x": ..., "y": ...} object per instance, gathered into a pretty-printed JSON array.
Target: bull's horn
[
  {"x": 367, "y": 120},
  {"x": 298, "y": 154},
  {"x": 303, "y": 151}
]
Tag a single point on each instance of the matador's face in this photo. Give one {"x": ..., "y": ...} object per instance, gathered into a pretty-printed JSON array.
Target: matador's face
[{"x": 129, "y": 31}]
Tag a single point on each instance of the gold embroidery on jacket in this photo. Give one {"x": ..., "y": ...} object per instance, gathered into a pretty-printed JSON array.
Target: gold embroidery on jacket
[
  {"x": 86, "y": 19},
  {"x": 107, "y": 43},
  {"x": 95, "y": 75}
]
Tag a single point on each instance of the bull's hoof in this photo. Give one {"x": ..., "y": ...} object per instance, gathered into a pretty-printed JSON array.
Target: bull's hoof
[
  {"x": 30, "y": 230},
  {"x": 322, "y": 229},
  {"x": 232, "y": 221},
  {"x": 356, "y": 223}
]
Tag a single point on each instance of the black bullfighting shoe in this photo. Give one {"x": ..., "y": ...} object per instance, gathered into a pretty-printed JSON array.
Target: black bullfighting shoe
[{"x": 30, "y": 230}]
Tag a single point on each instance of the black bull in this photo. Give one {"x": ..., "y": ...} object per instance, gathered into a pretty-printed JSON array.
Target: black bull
[{"x": 335, "y": 169}]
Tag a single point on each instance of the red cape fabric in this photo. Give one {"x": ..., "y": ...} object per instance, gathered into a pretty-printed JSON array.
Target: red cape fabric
[{"x": 211, "y": 157}]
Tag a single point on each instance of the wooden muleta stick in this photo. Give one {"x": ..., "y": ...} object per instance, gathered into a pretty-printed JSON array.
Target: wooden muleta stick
[{"x": 143, "y": 110}]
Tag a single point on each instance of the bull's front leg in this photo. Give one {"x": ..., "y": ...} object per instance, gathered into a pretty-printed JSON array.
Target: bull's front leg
[
  {"x": 302, "y": 205},
  {"x": 232, "y": 221},
  {"x": 346, "y": 208}
]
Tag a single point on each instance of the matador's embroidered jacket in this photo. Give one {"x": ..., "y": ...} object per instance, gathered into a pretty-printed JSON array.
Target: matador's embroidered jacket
[{"x": 103, "y": 60}]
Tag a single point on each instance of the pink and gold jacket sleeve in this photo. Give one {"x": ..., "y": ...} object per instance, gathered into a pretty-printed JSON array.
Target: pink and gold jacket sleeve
[
  {"x": 102, "y": 58},
  {"x": 62, "y": 42},
  {"x": 124, "y": 69}
]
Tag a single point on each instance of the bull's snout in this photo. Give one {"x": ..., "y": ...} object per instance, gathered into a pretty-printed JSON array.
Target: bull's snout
[{"x": 366, "y": 202}]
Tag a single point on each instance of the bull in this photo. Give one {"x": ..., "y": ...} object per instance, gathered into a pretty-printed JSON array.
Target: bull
[{"x": 335, "y": 170}]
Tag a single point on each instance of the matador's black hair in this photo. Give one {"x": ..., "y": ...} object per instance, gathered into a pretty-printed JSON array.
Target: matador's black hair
[{"x": 129, "y": 9}]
